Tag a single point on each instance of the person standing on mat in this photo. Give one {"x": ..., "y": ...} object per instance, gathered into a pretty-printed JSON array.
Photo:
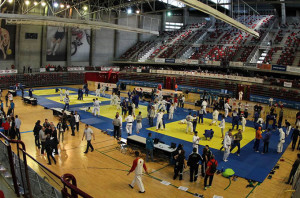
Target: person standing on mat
[
  {"x": 88, "y": 133},
  {"x": 61, "y": 94},
  {"x": 222, "y": 125},
  {"x": 294, "y": 169},
  {"x": 67, "y": 102},
  {"x": 211, "y": 169},
  {"x": 77, "y": 119},
  {"x": 149, "y": 147},
  {"x": 138, "y": 166},
  {"x": 159, "y": 120},
  {"x": 189, "y": 123},
  {"x": 151, "y": 116},
  {"x": 294, "y": 137},
  {"x": 200, "y": 115},
  {"x": 226, "y": 107},
  {"x": 267, "y": 141},
  {"x": 288, "y": 127},
  {"x": 196, "y": 140},
  {"x": 215, "y": 117},
  {"x": 129, "y": 120},
  {"x": 116, "y": 123},
  {"x": 281, "y": 141},
  {"x": 227, "y": 144},
  {"x": 237, "y": 138},
  {"x": 193, "y": 163},
  {"x": 258, "y": 137},
  {"x": 139, "y": 122}
]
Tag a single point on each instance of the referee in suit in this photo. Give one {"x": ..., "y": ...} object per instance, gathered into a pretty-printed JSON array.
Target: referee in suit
[{"x": 193, "y": 163}]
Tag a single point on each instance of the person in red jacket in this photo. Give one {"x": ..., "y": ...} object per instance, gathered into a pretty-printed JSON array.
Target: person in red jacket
[
  {"x": 211, "y": 169},
  {"x": 258, "y": 137},
  {"x": 138, "y": 166},
  {"x": 6, "y": 127}
]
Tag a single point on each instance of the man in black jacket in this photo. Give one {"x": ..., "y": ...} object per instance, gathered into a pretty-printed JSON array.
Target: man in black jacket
[
  {"x": 294, "y": 137},
  {"x": 193, "y": 163},
  {"x": 49, "y": 149},
  {"x": 72, "y": 124},
  {"x": 294, "y": 169}
]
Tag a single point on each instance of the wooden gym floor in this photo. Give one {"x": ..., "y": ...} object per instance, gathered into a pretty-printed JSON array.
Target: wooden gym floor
[{"x": 102, "y": 173}]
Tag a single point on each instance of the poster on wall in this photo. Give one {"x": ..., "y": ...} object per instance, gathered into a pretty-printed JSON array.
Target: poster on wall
[
  {"x": 7, "y": 40},
  {"x": 56, "y": 43},
  {"x": 80, "y": 45}
]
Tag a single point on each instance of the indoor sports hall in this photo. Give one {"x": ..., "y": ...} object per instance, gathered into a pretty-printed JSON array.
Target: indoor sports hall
[{"x": 149, "y": 98}]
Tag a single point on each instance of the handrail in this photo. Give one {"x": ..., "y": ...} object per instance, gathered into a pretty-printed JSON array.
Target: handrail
[
  {"x": 64, "y": 178},
  {"x": 24, "y": 159}
]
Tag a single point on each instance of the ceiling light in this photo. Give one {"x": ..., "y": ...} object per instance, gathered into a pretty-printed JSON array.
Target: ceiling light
[
  {"x": 35, "y": 3},
  {"x": 55, "y": 4},
  {"x": 43, "y": 3},
  {"x": 68, "y": 6},
  {"x": 10, "y": 1},
  {"x": 137, "y": 11},
  {"x": 129, "y": 11},
  {"x": 62, "y": 5},
  {"x": 27, "y": 2},
  {"x": 85, "y": 8}
]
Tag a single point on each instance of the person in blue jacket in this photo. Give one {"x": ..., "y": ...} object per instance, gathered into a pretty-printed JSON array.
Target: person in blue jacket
[{"x": 149, "y": 147}]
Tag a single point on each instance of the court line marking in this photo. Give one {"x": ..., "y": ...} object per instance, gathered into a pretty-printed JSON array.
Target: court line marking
[{"x": 143, "y": 174}]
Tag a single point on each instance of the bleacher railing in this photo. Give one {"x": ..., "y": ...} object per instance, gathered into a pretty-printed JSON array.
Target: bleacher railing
[{"x": 40, "y": 182}]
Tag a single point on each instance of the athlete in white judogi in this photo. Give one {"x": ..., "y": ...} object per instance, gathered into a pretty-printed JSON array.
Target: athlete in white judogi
[
  {"x": 171, "y": 111},
  {"x": 244, "y": 121},
  {"x": 103, "y": 89},
  {"x": 281, "y": 140},
  {"x": 137, "y": 167},
  {"x": 241, "y": 95},
  {"x": 196, "y": 140},
  {"x": 96, "y": 109},
  {"x": 129, "y": 120},
  {"x": 97, "y": 92},
  {"x": 215, "y": 117},
  {"x": 61, "y": 94},
  {"x": 159, "y": 120},
  {"x": 67, "y": 93},
  {"x": 204, "y": 104},
  {"x": 189, "y": 123},
  {"x": 162, "y": 105},
  {"x": 226, "y": 107}
]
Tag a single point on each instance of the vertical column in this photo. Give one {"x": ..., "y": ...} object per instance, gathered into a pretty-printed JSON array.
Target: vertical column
[
  {"x": 283, "y": 13},
  {"x": 44, "y": 46},
  {"x": 185, "y": 16},
  {"x": 69, "y": 37},
  {"x": 92, "y": 47},
  {"x": 116, "y": 44},
  {"x": 163, "y": 21},
  {"x": 17, "y": 49}
]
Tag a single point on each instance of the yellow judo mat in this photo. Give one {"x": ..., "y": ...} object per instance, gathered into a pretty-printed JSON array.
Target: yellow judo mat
[
  {"x": 177, "y": 130},
  {"x": 74, "y": 101},
  {"x": 109, "y": 111},
  {"x": 43, "y": 92}
]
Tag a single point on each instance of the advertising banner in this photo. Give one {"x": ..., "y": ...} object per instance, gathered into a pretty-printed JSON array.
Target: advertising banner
[{"x": 278, "y": 68}]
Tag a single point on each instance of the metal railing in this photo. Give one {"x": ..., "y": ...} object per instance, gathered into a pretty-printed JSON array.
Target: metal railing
[{"x": 25, "y": 181}]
